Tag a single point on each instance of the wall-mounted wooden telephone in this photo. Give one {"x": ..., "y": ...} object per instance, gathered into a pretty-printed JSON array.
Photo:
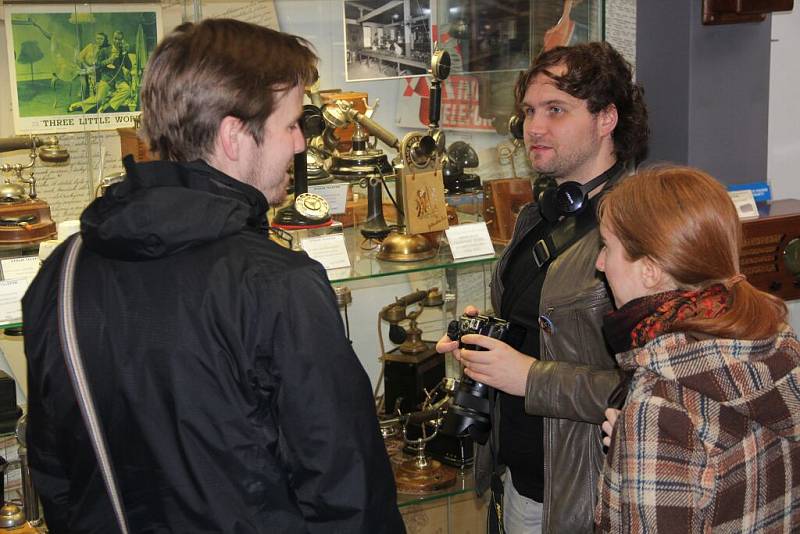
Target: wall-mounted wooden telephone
[{"x": 24, "y": 218}]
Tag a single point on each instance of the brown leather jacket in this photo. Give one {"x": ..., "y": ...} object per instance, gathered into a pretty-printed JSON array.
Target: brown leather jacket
[{"x": 568, "y": 385}]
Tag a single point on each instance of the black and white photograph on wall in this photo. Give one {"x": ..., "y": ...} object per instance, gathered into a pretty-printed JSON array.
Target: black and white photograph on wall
[
  {"x": 76, "y": 68},
  {"x": 387, "y": 38}
]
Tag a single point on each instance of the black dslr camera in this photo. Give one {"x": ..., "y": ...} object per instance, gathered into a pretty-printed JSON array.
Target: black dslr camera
[{"x": 469, "y": 412}]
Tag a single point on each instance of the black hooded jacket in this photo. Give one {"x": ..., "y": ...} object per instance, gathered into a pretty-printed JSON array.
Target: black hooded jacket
[{"x": 231, "y": 400}]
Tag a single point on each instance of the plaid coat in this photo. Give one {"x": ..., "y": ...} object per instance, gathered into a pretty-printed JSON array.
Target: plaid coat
[{"x": 708, "y": 440}]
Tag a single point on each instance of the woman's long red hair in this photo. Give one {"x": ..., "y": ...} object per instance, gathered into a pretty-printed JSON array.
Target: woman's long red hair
[{"x": 684, "y": 220}]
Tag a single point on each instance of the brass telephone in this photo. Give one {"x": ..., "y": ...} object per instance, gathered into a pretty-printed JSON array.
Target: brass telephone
[
  {"x": 409, "y": 339},
  {"x": 24, "y": 218}
]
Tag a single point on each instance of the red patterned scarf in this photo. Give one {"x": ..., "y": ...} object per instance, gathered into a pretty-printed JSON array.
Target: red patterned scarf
[{"x": 646, "y": 318}]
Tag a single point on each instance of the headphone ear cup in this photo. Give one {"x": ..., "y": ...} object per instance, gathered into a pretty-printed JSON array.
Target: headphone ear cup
[
  {"x": 548, "y": 206},
  {"x": 569, "y": 198}
]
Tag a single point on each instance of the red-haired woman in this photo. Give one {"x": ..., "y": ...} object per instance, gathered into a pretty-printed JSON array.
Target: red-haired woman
[{"x": 708, "y": 439}]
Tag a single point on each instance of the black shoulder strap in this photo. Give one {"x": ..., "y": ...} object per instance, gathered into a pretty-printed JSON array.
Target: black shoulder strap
[{"x": 567, "y": 231}]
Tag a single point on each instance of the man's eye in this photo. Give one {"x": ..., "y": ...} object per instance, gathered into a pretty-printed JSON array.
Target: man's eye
[
  {"x": 556, "y": 109},
  {"x": 528, "y": 112}
]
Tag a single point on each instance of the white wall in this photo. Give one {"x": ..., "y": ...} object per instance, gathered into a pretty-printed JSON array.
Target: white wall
[
  {"x": 783, "y": 161},
  {"x": 783, "y": 165}
]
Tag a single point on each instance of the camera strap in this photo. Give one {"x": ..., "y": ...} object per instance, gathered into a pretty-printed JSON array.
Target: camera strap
[
  {"x": 73, "y": 360},
  {"x": 566, "y": 232}
]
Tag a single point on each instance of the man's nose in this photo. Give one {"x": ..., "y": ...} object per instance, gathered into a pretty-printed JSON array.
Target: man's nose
[
  {"x": 299, "y": 141},
  {"x": 534, "y": 126}
]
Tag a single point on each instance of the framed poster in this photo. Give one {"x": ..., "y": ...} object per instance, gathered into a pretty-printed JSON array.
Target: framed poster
[
  {"x": 386, "y": 39},
  {"x": 78, "y": 67}
]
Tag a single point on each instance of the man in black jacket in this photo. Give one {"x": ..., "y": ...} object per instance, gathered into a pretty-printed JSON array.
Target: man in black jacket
[{"x": 229, "y": 396}]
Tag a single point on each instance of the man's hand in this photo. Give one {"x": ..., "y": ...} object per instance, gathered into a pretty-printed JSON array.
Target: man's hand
[
  {"x": 445, "y": 344},
  {"x": 608, "y": 425},
  {"x": 499, "y": 366}
]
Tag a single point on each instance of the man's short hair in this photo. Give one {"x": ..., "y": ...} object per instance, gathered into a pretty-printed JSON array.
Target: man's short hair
[
  {"x": 597, "y": 73},
  {"x": 201, "y": 73}
]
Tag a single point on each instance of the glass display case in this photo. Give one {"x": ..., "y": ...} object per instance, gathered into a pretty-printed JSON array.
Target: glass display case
[{"x": 377, "y": 48}]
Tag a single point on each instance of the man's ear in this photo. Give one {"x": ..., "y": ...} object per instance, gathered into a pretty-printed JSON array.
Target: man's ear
[
  {"x": 229, "y": 137},
  {"x": 607, "y": 120}
]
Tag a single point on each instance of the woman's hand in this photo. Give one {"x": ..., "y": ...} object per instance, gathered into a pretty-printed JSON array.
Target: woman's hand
[
  {"x": 608, "y": 425},
  {"x": 499, "y": 365}
]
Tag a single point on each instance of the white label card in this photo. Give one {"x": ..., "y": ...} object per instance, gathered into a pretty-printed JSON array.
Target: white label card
[
  {"x": 745, "y": 203},
  {"x": 335, "y": 193},
  {"x": 329, "y": 250},
  {"x": 11, "y": 292},
  {"x": 468, "y": 240},
  {"x": 24, "y": 267}
]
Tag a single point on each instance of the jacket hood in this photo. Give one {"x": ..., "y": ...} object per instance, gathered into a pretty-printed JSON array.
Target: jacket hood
[
  {"x": 163, "y": 207},
  {"x": 758, "y": 380}
]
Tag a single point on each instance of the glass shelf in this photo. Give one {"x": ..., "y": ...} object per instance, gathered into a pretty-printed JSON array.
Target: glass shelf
[
  {"x": 464, "y": 483},
  {"x": 365, "y": 264}
]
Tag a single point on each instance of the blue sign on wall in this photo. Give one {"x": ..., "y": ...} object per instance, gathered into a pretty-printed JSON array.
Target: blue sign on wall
[{"x": 761, "y": 190}]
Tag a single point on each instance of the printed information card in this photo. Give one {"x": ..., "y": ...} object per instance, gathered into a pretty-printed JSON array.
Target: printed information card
[
  {"x": 745, "y": 203},
  {"x": 329, "y": 250},
  {"x": 469, "y": 240},
  {"x": 11, "y": 292},
  {"x": 23, "y": 268},
  {"x": 335, "y": 193}
]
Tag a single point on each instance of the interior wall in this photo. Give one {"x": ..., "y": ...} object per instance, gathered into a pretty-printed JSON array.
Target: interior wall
[
  {"x": 783, "y": 163},
  {"x": 707, "y": 89},
  {"x": 783, "y": 160}
]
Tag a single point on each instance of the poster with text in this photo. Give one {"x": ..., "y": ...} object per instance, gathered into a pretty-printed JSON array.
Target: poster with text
[{"x": 78, "y": 67}]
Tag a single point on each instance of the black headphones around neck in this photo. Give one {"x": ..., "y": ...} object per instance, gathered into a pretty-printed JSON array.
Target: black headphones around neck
[{"x": 570, "y": 198}]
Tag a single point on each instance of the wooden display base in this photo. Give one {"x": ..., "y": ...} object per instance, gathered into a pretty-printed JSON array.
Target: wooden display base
[
  {"x": 26, "y": 221},
  {"x": 22, "y": 529},
  {"x": 410, "y": 478}
]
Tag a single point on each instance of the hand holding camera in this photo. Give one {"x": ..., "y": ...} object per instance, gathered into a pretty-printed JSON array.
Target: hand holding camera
[
  {"x": 488, "y": 360},
  {"x": 446, "y": 344},
  {"x": 488, "y": 354}
]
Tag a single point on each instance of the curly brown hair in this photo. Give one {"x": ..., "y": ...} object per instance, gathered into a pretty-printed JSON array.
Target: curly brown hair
[{"x": 597, "y": 73}]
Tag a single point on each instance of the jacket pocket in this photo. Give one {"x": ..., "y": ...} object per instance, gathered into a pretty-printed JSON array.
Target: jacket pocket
[{"x": 571, "y": 329}]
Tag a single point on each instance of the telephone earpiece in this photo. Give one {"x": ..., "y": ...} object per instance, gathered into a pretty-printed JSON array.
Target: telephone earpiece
[{"x": 516, "y": 126}]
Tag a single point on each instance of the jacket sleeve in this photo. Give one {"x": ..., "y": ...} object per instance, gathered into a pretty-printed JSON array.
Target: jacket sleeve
[
  {"x": 653, "y": 476},
  {"x": 569, "y": 391},
  {"x": 330, "y": 442},
  {"x": 45, "y": 384},
  {"x": 50, "y": 480}
]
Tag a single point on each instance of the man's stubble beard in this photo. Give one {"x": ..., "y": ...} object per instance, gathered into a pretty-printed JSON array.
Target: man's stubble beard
[
  {"x": 564, "y": 165},
  {"x": 273, "y": 189}
]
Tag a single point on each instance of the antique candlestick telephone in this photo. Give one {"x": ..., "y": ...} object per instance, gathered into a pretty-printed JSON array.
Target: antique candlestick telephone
[
  {"x": 418, "y": 151},
  {"x": 24, "y": 218},
  {"x": 308, "y": 209},
  {"x": 363, "y": 162}
]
